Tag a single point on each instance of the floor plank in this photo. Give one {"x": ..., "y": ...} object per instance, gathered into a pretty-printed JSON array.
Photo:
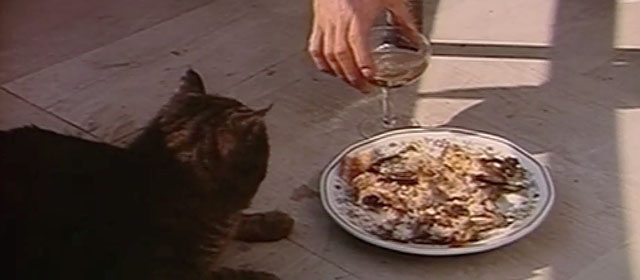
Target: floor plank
[
  {"x": 114, "y": 90},
  {"x": 283, "y": 258},
  {"x": 15, "y": 112},
  {"x": 39, "y": 33}
]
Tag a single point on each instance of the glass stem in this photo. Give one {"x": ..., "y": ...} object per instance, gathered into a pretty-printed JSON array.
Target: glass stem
[{"x": 388, "y": 118}]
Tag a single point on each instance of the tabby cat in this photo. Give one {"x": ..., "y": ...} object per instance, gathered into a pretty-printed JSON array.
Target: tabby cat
[{"x": 161, "y": 208}]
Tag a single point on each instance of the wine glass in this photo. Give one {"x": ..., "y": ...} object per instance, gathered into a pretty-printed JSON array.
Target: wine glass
[{"x": 400, "y": 56}]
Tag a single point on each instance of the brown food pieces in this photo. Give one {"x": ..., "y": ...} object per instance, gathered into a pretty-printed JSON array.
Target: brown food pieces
[{"x": 448, "y": 199}]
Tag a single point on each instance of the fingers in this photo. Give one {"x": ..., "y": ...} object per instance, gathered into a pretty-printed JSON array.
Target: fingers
[
  {"x": 343, "y": 52},
  {"x": 338, "y": 41},
  {"x": 359, "y": 45},
  {"x": 330, "y": 54},
  {"x": 316, "y": 50}
]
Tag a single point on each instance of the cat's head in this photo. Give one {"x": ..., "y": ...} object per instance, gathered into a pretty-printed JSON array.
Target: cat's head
[{"x": 214, "y": 134}]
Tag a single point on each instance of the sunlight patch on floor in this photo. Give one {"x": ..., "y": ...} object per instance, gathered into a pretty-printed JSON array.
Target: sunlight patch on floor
[
  {"x": 439, "y": 111},
  {"x": 545, "y": 273},
  {"x": 627, "y": 22},
  {"x": 460, "y": 78},
  {"x": 455, "y": 73},
  {"x": 627, "y": 133},
  {"x": 523, "y": 21},
  {"x": 544, "y": 158}
]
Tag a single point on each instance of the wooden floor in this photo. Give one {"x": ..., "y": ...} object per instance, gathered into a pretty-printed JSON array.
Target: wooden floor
[{"x": 561, "y": 78}]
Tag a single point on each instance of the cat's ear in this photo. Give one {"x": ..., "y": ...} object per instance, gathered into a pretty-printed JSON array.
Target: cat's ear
[
  {"x": 244, "y": 116},
  {"x": 263, "y": 112},
  {"x": 191, "y": 83},
  {"x": 254, "y": 116}
]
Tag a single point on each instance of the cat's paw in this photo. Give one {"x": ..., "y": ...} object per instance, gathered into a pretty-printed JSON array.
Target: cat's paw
[
  {"x": 264, "y": 227},
  {"x": 240, "y": 274}
]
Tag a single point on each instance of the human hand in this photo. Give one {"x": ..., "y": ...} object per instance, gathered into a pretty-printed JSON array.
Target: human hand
[{"x": 338, "y": 43}]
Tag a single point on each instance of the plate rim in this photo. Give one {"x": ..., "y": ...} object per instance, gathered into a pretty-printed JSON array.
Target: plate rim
[{"x": 449, "y": 251}]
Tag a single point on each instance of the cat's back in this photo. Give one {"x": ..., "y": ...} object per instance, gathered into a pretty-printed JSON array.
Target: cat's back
[
  {"x": 34, "y": 147},
  {"x": 34, "y": 160},
  {"x": 68, "y": 204}
]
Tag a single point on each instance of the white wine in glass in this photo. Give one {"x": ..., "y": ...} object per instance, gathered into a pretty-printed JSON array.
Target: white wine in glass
[{"x": 397, "y": 67}]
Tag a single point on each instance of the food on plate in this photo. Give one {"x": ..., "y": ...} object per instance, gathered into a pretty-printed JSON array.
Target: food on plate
[{"x": 434, "y": 192}]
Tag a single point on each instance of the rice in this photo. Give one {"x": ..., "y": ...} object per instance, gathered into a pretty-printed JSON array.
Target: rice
[{"x": 434, "y": 192}]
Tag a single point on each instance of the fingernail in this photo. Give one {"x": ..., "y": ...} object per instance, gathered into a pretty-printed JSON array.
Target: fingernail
[{"x": 366, "y": 72}]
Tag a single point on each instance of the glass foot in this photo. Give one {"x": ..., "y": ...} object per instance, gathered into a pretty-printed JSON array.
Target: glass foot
[{"x": 371, "y": 127}]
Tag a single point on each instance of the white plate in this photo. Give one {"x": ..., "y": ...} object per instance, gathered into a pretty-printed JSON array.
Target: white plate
[{"x": 540, "y": 176}]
